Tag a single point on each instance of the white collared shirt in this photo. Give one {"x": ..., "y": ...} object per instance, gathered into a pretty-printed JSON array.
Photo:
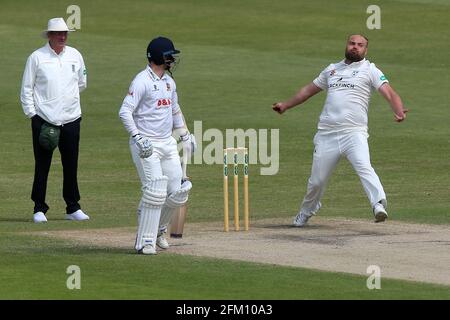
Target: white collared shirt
[
  {"x": 150, "y": 104},
  {"x": 349, "y": 88},
  {"x": 52, "y": 83}
]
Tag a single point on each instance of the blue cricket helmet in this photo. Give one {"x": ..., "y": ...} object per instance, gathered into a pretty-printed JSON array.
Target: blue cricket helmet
[{"x": 160, "y": 49}]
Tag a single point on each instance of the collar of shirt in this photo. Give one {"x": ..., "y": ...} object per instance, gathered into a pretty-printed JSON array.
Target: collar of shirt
[
  {"x": 53, "y": 51},
  {"x": 154, "y": 76},
  {"x": 353, "y": 64}
]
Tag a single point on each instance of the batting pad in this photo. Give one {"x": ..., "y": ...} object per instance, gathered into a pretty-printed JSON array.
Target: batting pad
[
  {"x": 155, "y": 192},
  {"x": 179, "y": 197},
  {"x": 166, "y": 217},
  {"x": 175, "y": 200},
  {"x": 153, "y": 198},
  {"x": 148, "y": 226}
]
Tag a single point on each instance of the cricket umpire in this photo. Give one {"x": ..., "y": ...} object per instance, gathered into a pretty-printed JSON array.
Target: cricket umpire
[
  {"x": 150, "y": 113},
  {"x": 52, "y": 81},
  {"x": 342, "y": 128}
]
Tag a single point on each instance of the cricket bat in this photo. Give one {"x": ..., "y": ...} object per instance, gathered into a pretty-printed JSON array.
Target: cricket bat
[{"x": 179, "y": 216}]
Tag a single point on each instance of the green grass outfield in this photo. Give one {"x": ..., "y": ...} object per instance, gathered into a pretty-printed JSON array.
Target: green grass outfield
[{"x": 238, "y": 57}]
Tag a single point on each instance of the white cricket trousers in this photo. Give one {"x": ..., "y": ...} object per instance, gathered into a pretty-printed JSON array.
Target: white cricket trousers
[
  {"x": 329, "y": 148},
  {"x": 165, "y": 160}
]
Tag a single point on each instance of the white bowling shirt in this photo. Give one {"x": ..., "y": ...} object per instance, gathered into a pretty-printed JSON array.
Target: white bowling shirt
[
  {"x": 52, "y": 83},
  {"x": 150, "y": 104},
  {"x": 349, "y": 87}
]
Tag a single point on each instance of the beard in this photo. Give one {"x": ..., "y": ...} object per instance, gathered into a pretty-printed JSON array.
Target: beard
[{"x": 353, "y": 56}]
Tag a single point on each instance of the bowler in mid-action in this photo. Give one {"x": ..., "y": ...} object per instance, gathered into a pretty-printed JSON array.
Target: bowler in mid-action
[{"x": 342, "y": 128}]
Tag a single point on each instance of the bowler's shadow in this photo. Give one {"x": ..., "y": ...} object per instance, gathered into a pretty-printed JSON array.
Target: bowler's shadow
[
  {"x": 28, "y": 220},
  {"x": 290, "y": 226}
]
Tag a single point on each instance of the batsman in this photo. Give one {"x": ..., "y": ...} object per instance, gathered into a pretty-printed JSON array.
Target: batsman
[{"x": 150, "y": 113}]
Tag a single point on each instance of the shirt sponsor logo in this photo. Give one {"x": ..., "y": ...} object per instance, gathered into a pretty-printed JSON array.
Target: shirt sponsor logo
[
  {"x": 382, "y": 78},
  {"x": 332, "y": 72},
  {"x": 168, "y": 86},
  {"x": 341, "y": 85},
  {"x": 163, "y": 103},
  {"x": 354, "y": 73},
  {"x": 155, "y": 87}
]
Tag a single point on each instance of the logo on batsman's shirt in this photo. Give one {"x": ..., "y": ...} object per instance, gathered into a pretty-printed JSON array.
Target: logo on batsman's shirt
[
  {"x": 168, "y": 86},
  {"x": 163, "y": 103},
  {"x": 332, "y": 72},
  {"x": 382, "y": 78}
]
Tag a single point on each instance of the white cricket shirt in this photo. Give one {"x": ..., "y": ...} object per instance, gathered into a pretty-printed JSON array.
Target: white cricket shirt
[
  {"x": 349, "y": 88},
  {"x": 52, "y": 83},
  {"x": 150, "y": 104}
]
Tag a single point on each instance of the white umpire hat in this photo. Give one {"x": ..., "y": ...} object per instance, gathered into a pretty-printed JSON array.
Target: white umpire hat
[{"x": 55, "y": 24}]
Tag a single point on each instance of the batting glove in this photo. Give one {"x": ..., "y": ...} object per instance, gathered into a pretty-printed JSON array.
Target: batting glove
[{"x": 144, "y": 145}]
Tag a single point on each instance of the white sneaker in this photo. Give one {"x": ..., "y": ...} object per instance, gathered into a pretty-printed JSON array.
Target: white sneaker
[
  {"x": 148, "y": 249},
  {"x": 379, "y": 212},
  {"x": 39, "y": 217},
  {"x": 161, "y": 242},
  {"x": 301, "y": 219},
  {"x": 77, "y": 215}
]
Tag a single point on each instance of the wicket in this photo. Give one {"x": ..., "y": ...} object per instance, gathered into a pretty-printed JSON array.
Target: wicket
[{"x": 235, "y": 152}]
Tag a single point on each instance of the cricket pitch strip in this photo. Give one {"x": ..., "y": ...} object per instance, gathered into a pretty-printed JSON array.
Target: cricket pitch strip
[{"x": 406, "y": 251}]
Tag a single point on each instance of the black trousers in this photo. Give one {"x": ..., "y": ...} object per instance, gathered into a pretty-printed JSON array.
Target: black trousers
[{"x": 69, "y": 140}]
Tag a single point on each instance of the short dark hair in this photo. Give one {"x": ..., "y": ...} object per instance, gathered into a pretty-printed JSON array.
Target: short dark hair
[{"x": 359, "y": 34}]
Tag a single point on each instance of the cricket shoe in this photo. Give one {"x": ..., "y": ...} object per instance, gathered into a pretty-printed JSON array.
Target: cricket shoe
[
  {"x": 77, "y": 216},
  {"x": 148, "y": 249},
  {"x": 39, "y": 217},
  {"x": 379, "y": 212},
  {"x": 161, "y": 241},
  {"x": 301, "y": 219}
]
